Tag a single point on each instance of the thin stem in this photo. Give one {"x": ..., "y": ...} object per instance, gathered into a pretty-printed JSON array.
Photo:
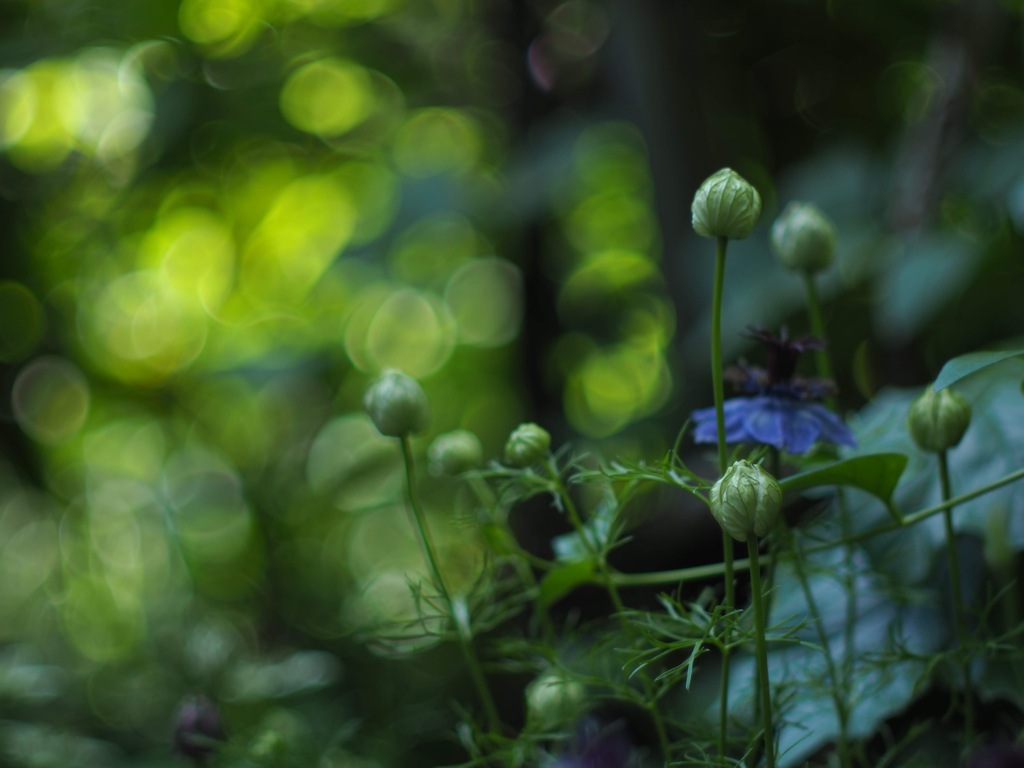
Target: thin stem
[
  {"x": 717, "y": 384},
  {"x": 461, "y": 627},
  {"x": 821, "y": 357},
  {"x": 715, "y": 569},
  {"x": 823, "y": 363},
  {"x": 762, "y": 654},
  {"x": 717, "y": 377},
  {"x": 522, "y": 559},
  {"x": 607, "y": 579},
  {"x": 958, "y": 602},
  {"x": 837, "y": 685}
]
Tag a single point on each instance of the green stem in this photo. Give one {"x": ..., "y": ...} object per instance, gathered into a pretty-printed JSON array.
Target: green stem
[
  {"x": 837, "y": 686},
  {"x": 718, "y": 387},
  {"x": 606, "y": 577},
  {"x": 486, "y": 497},
  {"x": 823, "y": 362},
  {"x": 821, "y": 357},
  {"x": 958, "y": 602},
  {"x": 717, "y": 376},
  {"x": 716, "y": 569},
  {"x": 462, "y": 629},
  {"x": 762, "y": 653}
]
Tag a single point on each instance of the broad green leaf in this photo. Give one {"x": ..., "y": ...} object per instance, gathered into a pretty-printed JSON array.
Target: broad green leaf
[
  {"x": 562, "y": 580},
  {"x": 992, "y": 448},
  {"x": 965, "y": 365},
  {"x": 881, "y": 682},
  {"x": 876, "y": 473}
]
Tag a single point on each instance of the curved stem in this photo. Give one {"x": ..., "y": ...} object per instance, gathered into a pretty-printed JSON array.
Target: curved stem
[
  {"x": 709, "y": 571},
  {"x": 762, "y": 654},
  {"x": 717, "y": 384},
  {"x": 959, "y": 609},
  {"x": 823, "y": 363},
  {"x": 836, "y": 683},
  {"x": 462, "y": 629},
  {"x": 606, "y": 578}
]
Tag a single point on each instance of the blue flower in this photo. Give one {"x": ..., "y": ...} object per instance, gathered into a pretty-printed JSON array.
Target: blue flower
[
  {"x": 778, "y": 407},
  {"x": 789, "y": 425}
]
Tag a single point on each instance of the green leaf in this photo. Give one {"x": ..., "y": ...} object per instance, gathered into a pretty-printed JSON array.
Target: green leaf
[
  {"x": 876, "y": 473},
  {"x": 562, "y": 580},
  {"x": 965, "y": 365}
]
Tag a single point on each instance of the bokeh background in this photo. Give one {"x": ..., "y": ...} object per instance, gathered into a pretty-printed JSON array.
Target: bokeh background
[{"x": 220, "y": 219}]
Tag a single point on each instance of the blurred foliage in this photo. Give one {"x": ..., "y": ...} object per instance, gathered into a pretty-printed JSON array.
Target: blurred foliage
[{"x": 223, "y": 217}]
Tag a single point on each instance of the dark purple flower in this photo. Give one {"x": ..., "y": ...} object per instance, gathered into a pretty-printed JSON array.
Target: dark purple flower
[
  {"x": 599, "y": 746},
  {"x": 198, "y": 730},
  {"x": 998, "y": 756},
  {"x": 778, "y": 407}
]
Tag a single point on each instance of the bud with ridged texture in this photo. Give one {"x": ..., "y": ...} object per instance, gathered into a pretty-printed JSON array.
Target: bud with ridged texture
[
  {"x": 726, "y": 205},
  {"x": 397, "y": 404},
  {"x": 804, "y": 239},
  {"x": 937, "y": 420},
  {"x": 528, "y": 444},
  {"x": 553, "y": 699},
  {"x": 746, "y": 500},
  {"x": 455, "y": 452}
]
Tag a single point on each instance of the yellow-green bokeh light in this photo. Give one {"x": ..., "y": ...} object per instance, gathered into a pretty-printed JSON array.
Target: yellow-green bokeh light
[
  {"x": 50, "y": 399},
  {"x": 225, "y": 27},
  {"x": 437, "y": 140},
  {"x": 327, "y": 97},
  {"x": 485, "y": 298}
]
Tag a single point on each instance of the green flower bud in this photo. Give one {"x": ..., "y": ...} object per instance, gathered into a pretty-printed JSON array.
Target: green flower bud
[
  {"x": 553, "y": 699},
  {"x": 804, "y": 239},
  {"x": 528, "y": 444},
  {"x": 746, "y": 500},
  {"x": 937, "y": 420},
  {"x": 397, "y": 404},
  {"x": 726, "y": 205},
  {"x": 455, "y": 452}
]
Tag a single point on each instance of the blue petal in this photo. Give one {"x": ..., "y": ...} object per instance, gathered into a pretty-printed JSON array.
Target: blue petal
[
  {"x": 832, "y": 428},
  {"x": 764, "y": 421},
  {"x": 706, "y": 426},
  {"x": 789, "y": 425},
  {"x": 800, "y": 426},
  {"x": 704, "y": 429}
]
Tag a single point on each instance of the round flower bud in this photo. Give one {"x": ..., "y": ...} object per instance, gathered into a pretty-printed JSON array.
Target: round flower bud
[
  {"x": 803, "y": 238},
  {"x": 746, "y": 500},
  {"x": 397, "y": 404},
  {"x": 455, "y": 452},
  {"x": 528, "y": 444},
  {"x": 726, "y": 205},
  {"x": 937, "y": 420},
  {"x": 553, "y": 699}
]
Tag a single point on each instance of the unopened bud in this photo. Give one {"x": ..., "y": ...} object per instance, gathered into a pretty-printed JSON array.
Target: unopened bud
[
  {"x": 726, "y": 205},
  {"x": 455, "y": 452},
  {"x": 937, "y": 420},
  {"x": 746, "y": 500},
  {"x": 553, "y": 699},
  {"x": 528, "y": 444},
  {"x": 803, "y": 238},
  {"x": 397, "y": 404}
]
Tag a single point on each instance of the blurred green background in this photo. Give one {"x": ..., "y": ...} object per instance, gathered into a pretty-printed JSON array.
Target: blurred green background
[{"x": 222, "y": 218}]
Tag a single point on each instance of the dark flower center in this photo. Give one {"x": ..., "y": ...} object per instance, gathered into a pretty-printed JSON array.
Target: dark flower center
[{"x": 779, "y": 377}]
